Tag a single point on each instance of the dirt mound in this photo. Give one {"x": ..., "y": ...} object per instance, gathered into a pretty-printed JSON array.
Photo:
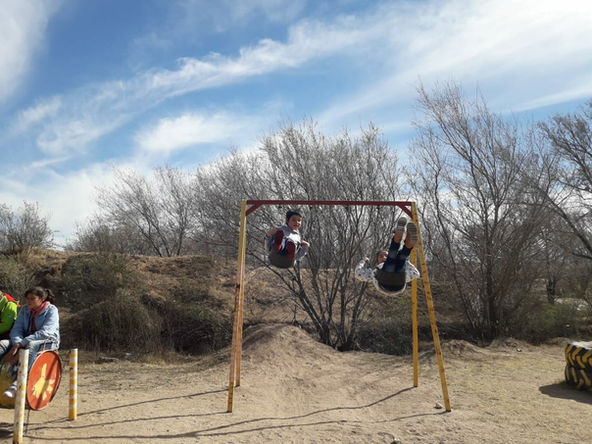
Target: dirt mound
[
  {"x": 560, "y": 340},
  {"x": 280, "y": 342},
  {"x": 508, "y": 344},
  {"x": 459, "y": 349}
]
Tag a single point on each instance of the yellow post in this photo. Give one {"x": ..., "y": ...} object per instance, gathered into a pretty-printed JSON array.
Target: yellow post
[
  {"x": 21, "y": 395},
  {"x": 414, "y": 326},
  {"x": 234, "y": 348},
  {"x": 431, "y": 313},
  {"x": 73, "y": 398},
  {"x": 241, "y": 301}
]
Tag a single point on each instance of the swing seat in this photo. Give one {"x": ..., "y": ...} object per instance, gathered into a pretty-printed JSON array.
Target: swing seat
[
  {"x": 42, "y": 382},
  {"x": 280, "y": 261},
  {"x": 391, "y": 280}
]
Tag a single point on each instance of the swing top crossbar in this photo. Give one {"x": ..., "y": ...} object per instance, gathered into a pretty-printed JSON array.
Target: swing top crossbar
[{"x": 403, "y": 205}]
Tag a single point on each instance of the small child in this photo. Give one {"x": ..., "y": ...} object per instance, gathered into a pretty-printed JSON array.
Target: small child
[
  {"x": 393, "y": 270},
  {"x": 8, "y": 312},
  {"x": 285, "y": 240}
]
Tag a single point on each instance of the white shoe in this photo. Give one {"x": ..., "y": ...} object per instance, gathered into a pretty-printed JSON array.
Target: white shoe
[
  {"x": 400, "y": 227},
  {"x": 10, "y": 392}
]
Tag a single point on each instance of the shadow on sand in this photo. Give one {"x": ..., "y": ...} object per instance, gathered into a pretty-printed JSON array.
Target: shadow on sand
[
  {"x": 230, "y": 428},
  {"x": 563, "y": 391}
]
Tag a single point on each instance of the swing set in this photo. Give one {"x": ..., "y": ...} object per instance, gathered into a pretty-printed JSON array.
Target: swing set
[{"x": 409, "y": 208}]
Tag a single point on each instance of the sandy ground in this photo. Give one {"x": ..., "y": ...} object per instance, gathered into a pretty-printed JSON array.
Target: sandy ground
[{"x": 295, "y": 390}]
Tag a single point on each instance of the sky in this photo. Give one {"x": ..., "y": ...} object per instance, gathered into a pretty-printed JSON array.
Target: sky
[{"x": 87, "y": 86}]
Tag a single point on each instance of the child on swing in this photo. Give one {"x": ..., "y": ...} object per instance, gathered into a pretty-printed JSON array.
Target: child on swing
[
  {"x": 393, "y": 270},
  {"x": 285, "y": 240}
]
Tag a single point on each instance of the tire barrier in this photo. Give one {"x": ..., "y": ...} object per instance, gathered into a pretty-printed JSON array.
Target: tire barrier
[
  {"x": 579, "y": 355},
  {"x": 578, "y": 377},
  {"x": 578, "y": 367}
]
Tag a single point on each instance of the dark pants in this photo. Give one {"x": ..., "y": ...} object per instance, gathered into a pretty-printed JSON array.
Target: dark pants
[{"x": 396, "y": 262}]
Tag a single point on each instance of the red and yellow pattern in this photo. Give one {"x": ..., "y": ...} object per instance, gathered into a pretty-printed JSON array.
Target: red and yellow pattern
[{"x": 44, "y": 380}]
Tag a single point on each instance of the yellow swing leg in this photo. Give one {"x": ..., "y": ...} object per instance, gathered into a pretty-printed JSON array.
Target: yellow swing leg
[
  {"x": 431, "y": 314},
  {"x": 237, "y": 328}
]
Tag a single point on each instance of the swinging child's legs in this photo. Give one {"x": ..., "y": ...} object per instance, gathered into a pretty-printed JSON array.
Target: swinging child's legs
[
  {"x": 282, "y": 246},
  {"x": 394, "y": 269},
  {"x": 397, "y": 256}
]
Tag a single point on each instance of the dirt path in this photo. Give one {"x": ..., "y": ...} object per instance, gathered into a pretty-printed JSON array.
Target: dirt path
[{"x": 296, "y": 390}]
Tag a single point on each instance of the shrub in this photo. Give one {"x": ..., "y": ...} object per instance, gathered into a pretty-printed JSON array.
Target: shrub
[
  {"x": 14, "y": 277},
  {"x": 196, "y": 329},
  {"x": 121, "y": 323},
  {"x": 24, "y": 229},
  {"x": 192, "y": 322},
  {"x": 93, "y": 278},
  {"x": 389, "y": 331},
  {"x": 547, "y": 321}
]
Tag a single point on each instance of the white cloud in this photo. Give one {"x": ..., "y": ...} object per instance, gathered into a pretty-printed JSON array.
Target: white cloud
[
  {"x": 73, "y": 134},
  {"x": 190, "y": 129},
  {"x": 225, "y": 14},
  {"x": 486, "y": 37},
  {"x": 206, "y": 127},
  {"x": 42, "y": 163},
  {"x": 89, "y": 113},
  {"x": 584, "y": 89},
  {"x": 44, "y": 109},
  {"x": 518, "y": 49},
  {"x": 307, "y": 41},
  {"x": 22, "y": 28},
  {"x": 277, "y": 11},
  {"x": 529, "y": 42},
  {"x": 65, "y": 199},
  {"x": 62, "y": 200}
]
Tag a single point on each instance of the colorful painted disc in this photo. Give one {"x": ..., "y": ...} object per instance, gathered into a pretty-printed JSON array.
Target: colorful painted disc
[{"x": 44, "y": 379}]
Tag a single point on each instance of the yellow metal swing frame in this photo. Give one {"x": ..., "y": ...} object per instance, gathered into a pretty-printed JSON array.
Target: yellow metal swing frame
[{"x": 410, "y": 208}]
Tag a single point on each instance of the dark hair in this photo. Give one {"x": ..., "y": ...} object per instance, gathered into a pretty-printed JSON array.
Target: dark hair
[
  {"x": 291, "y": 213},
  {"x": 44, "y": 293}
]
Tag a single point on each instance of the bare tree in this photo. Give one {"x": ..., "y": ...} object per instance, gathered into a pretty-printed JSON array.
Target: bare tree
[
  {"x": 160, "y": 210},
  {"x": 24, "y": 229},
  {"x": 300, "y": 163},
  {"x": 570, "y": 137},
  {"x": 307, "y": 165},
  {"x": 108, "y": 237},
  {"x": 482, "y": 224},
  {"x": 218, "y": 190}
]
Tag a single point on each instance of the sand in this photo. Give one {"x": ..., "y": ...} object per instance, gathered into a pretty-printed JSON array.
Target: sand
[{"x": 295, "y": 390}]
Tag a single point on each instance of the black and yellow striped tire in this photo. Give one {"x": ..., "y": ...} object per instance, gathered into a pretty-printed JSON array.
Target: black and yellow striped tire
[
  {"x": 579, "y": 355},
  {"x": 578, "y": 377}
]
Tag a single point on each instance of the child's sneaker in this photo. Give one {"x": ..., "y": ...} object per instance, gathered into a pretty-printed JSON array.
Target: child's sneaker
[
  {"x": 278, "y": 237},
  {"x": 400, "y": 229},
  {"x": 291, "y": 249},
  {"x": 411, "y": 238},
  {"x": 10, "y": 392}
]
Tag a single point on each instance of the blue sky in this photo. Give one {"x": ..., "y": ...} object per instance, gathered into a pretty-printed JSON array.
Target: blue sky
[{"x": 88, "y": 85}]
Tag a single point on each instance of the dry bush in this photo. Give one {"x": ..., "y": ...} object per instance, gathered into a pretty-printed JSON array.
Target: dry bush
[
  {"x": 389, "y": 331},
  {"x": 121, "y": 323},
  {"x": 15, "y": 278},
  {"x": 92, "y": 278},
  {"x": 192, "y": 320},
  {"x": 545, "y": 321}
]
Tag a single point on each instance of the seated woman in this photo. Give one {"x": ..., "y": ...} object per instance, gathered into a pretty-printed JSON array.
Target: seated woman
[
  {"x": 393, "y": 270},
  {"x": 37, "y": 327}
]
